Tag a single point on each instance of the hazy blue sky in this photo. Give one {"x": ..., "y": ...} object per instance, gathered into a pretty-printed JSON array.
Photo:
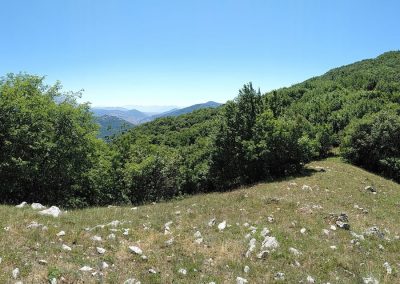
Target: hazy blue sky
[{"x": 183, "y": 52}]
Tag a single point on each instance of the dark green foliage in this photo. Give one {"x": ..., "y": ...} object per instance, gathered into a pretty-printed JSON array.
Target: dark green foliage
[
  {"x": 49, "y": 151},
  {"x": 374, "y": 143},
  {"x": 46, "y": 148},
  {"x": 111, "y": 126}
]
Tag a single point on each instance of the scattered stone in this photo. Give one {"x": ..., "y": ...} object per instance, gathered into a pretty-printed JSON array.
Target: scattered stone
[
  {"x": 357, "y": 236},
  {"x": 104, "y": 265},
  {"x": 60, "y": 234},
  {"x": 240, "y": 280},
  {"x": 152, "y": 271},
  {"x": 306, "y": 187},
  {"x": 333, "y": 247},
  {"x": 132, "y": 281},
  {"x": 370, "y": 189},
  {"x": 15, "y": 272},
  {"x": 303, "y": 230},
  {"x": 96, "y": 238},
  {"x": 263, "y": 254},
  {"x": 265, "y": 232},
  {"x": 169, "y": 242},
  {"x": 126, "y": 232},
  {"x": 42, "y": 262},
  {"x": 374, "y": 231},
  {"x": 270, "y": 243},
  {"x": 333, "y": 227},
  {"x": 252, "y": 246},
  {"x": 197, "y": 235},
  {"x": 167, "y": 229},
  {"x": 310, "y": 279},
  {"x": 381, "y": 247},
  {"x": 7, "y": 229},
  {"x": 22, "y": 205},
  {"x": 34, "y": 225},
  {"x": 111, "y": 236},
  {"x": 65, "y": 247},
  {"x": 253, "y": 229},
  {"x": 144, "y": 257},
  {"x": 182, "y": 271},
  {"x": 279, "y": 276},
  {"x": 52, "y": 211},
  {"x": 37, "y": 206},
  {"x": 211, "y": 222},
  {"x": 370, "y": 280},
  {"x": 134, "y": 208},
  {"x": 294, "y": 251},
  {"x": 343, "y": 225},
  {"x": 222, "y": 225},
  {"x": 326, "y": 232},
  {"x": 53, "y": 281},
  {"x": 100, "y": 250},
  {"x": 114, "y": 223},
  {"x": 86, "y": 268},
  {"x": 388, "y": 268},
  {"x": 270, "y": 219},
  {"x": 136, "y": 250},
  {"x": 246, "y": 269}
]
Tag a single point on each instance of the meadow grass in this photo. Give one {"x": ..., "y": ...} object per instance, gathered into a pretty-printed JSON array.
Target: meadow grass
[{"x": 221, "y": 256}]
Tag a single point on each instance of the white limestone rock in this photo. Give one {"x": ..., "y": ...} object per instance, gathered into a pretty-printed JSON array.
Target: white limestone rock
[
  {"x": 182, "y": 271},
  {"x": 96, "y": 238},
  {"x": 240, "y": 280},
  {"x": 86, "y": 268},
  {"x": 65, "y": 247},
  {"x": 52, "y": 211},
  {"x": 252, "y": 246},
  {"x": 270, "y": 243},
  {"x": 132, "y": 281},
  {"x": 22, "y": 205},
  {"x": 222, "y": 225},
  {"x": 104, "y": 265},
  {"x": 100, "y": 250},
  {"x": 136, "y": 250},
  {"x": 60, "y": 234},
  {"x": 310, "y": 279},
  {"x": 388, "y": 268},
  {"x": 279, "y": 276},
  {"x": 294, "y": 251},
  {"x": 37, "y": 206},
  {"x": 15, "y": 273},
  {"x": 370, "y": 280}
]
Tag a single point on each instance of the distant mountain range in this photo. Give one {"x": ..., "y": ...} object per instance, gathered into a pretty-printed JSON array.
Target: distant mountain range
[
  {"x": 112, "y": 125},
  {"x": 114, "y": 120},
  {"x": 177, "y": 112}
]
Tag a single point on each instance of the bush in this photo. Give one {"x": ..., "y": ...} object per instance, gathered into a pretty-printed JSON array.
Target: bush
[{"x": 373, "y": 142}]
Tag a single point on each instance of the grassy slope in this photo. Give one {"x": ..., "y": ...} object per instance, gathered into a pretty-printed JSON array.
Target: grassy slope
[{"x": 336, "y": 190}]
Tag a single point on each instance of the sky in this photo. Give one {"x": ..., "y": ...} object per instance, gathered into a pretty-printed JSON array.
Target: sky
[{"x": 127, "y": 52}]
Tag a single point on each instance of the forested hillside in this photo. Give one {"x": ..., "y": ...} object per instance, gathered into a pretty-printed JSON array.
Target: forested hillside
[
  {"x": 49, "y": 150},
  {"x": 110, "y": 126}
]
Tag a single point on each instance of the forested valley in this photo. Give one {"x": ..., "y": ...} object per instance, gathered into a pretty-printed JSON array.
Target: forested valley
[{"x": 50, "y": 153}]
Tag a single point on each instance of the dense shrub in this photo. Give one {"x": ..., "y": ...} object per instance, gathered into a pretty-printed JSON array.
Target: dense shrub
[
  {"x": 373, "y": 142},
  {"x": 47, "y": 143}
]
